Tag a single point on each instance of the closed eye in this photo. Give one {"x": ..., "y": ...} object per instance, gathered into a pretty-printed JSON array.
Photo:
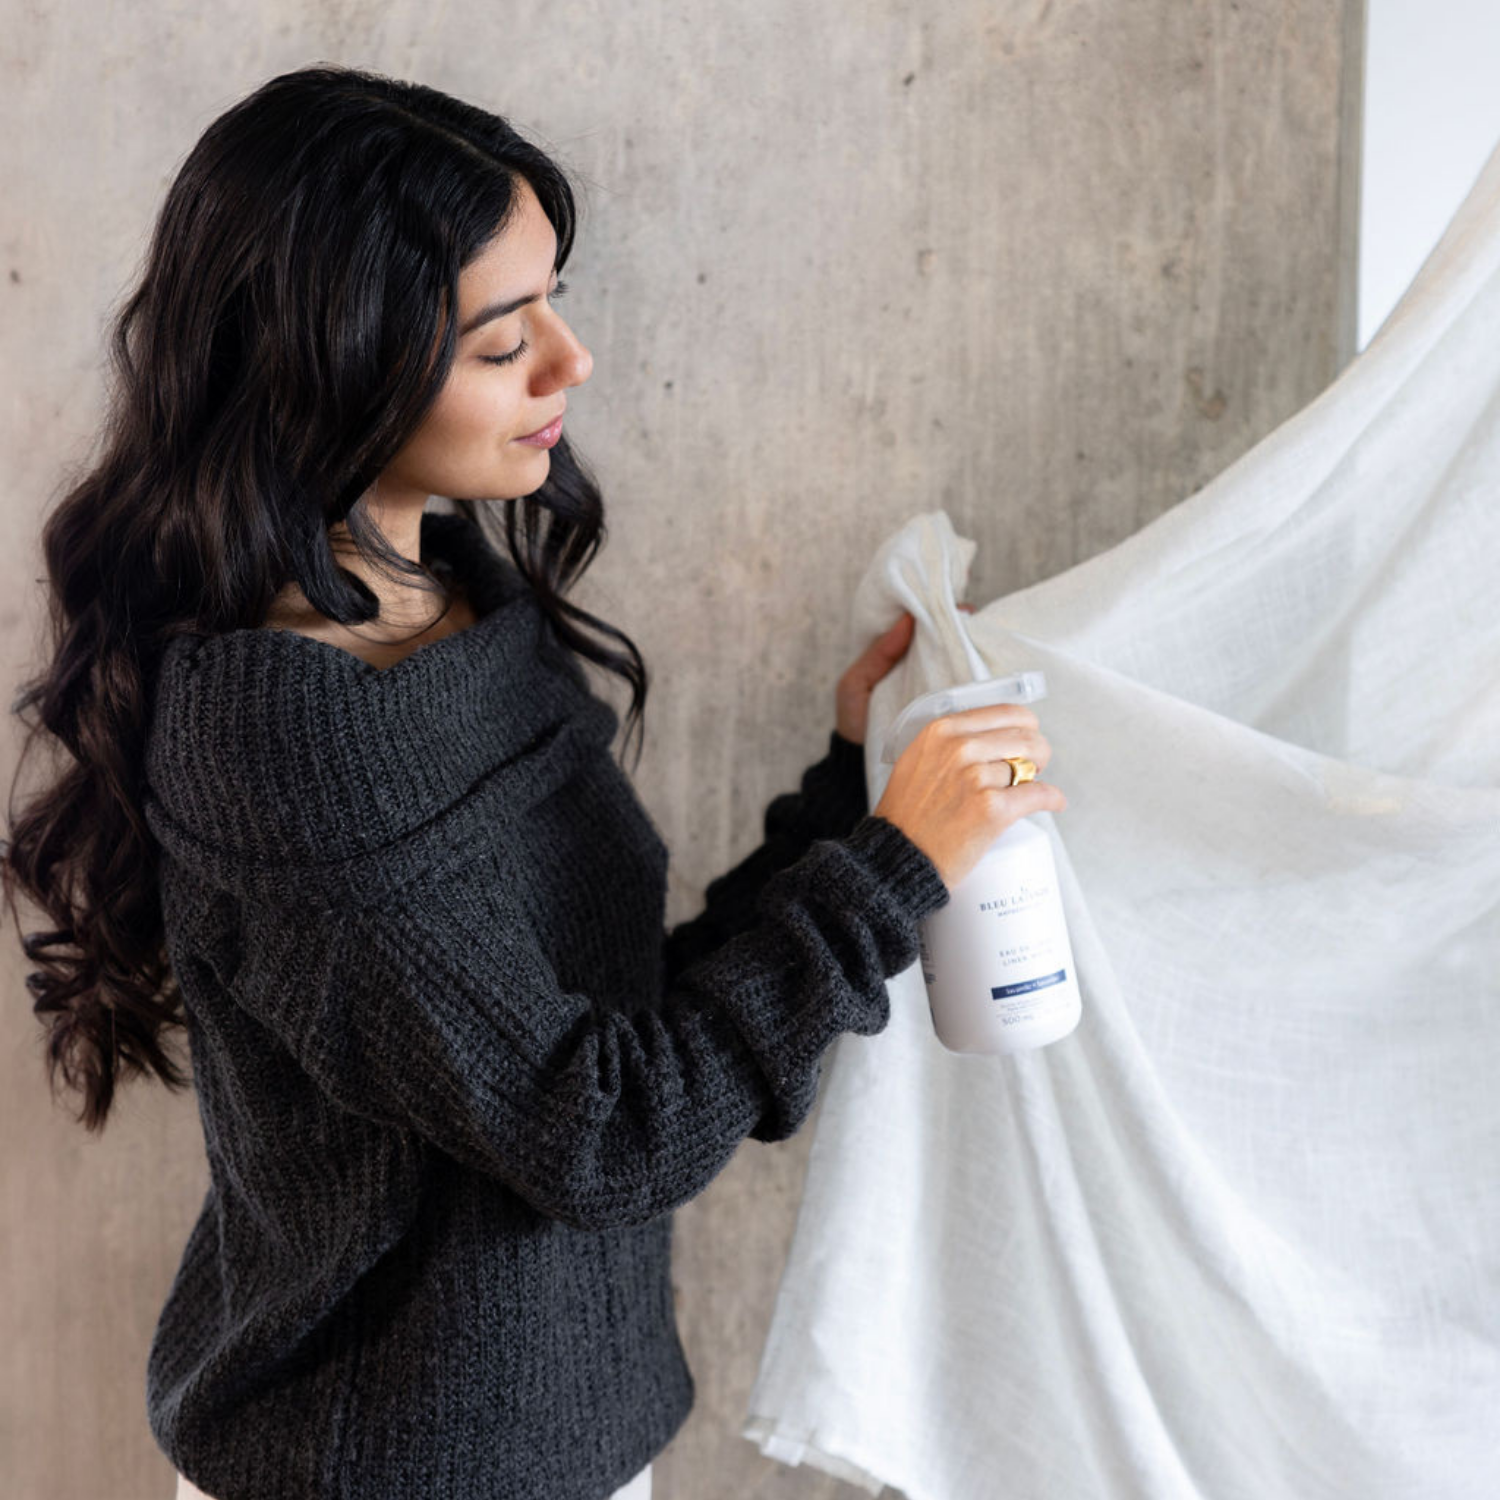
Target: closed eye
[{"x": 523, "y": 346}]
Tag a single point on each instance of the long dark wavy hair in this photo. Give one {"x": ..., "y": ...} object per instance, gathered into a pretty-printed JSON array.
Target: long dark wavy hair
[{"x": 273, "y": 358}]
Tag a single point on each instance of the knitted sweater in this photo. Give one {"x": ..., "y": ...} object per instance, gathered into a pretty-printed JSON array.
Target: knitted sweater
[{"x": 453, "y": 1072}]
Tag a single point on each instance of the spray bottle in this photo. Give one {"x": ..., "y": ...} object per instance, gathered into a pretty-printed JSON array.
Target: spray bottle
[{"x": 995, "y": 957}]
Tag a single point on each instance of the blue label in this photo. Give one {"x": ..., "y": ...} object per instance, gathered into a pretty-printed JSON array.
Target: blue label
[{"x": 1006, "y": 990}]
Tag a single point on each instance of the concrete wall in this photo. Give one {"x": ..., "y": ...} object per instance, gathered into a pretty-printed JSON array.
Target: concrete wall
[{"x": 1048, "y": 265}]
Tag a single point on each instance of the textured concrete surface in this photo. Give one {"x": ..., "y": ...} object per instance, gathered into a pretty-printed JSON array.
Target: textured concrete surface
[{"x": 1049, "y": 266}]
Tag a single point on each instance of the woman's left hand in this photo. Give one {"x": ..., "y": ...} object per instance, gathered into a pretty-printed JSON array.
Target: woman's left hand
[{"x": 856, "y": 685}]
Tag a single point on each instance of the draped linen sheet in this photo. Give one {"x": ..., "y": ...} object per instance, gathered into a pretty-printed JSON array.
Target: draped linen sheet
[{"x": 1237, "y": 1237}]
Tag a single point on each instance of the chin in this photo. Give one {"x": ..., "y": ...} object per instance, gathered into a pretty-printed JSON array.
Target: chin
[{"x": 531, "y": 489}]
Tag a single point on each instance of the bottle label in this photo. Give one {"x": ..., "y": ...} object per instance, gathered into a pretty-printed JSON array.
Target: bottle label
[
  {"x": 996, "y": 957},
  {"x": 1002, "y": 992}
]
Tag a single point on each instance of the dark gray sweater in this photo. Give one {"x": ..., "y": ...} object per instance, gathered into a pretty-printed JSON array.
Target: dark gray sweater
[{"x": 453, "y": 1073}]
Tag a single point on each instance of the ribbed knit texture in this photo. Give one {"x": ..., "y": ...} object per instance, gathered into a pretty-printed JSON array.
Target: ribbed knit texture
[{"x": 454, "y": 1074}]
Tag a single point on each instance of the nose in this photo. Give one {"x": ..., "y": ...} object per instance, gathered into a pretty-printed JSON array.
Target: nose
[{"x": 571, "y": 363}]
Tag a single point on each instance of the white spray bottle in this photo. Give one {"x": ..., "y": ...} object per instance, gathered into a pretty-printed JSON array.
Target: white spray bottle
[{"x": 995, "y": 957}]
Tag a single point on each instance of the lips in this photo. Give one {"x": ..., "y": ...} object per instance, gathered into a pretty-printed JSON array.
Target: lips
[{"x": 545, "y": 425}]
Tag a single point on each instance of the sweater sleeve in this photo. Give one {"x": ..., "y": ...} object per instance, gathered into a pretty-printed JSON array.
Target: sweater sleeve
[
  {"x": 598, "y": 1110},
  {"x": 831, "y": 800}
]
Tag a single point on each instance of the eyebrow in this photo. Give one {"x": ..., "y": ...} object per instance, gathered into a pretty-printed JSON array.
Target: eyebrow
[{"x": 497, "y": 310}]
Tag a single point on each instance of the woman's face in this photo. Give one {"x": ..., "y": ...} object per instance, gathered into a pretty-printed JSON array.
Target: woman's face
[{"x": 509, "y": 378}]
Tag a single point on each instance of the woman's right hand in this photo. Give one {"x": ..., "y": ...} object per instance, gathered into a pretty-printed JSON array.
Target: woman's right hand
[{"x": 950, "y": 792}]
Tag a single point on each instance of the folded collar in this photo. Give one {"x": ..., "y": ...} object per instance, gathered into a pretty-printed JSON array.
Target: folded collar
[{"x": 288, "y": 770}]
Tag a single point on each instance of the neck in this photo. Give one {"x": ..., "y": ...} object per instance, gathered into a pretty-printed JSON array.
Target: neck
[{"x": 404, "y": 607}]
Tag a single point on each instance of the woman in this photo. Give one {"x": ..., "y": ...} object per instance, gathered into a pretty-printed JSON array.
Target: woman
[{"x": 343, "y": 809}]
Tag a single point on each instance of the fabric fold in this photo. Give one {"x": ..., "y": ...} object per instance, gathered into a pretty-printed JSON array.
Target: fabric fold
[
  {"x": 1235, "y": 1237},
  {"x": 290, "y": 771}
]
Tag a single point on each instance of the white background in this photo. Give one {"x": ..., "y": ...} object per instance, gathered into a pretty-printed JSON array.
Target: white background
[{"x": 1432, "y": 116}]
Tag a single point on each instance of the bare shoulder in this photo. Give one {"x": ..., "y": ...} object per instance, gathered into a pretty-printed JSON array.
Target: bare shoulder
[{"x": 292, "y": 613}]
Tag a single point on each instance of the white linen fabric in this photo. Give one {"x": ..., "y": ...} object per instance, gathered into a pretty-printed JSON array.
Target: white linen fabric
[{"x": 1237, "y": 1237}]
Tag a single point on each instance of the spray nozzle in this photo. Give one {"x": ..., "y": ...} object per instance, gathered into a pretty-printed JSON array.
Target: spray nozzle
[{"x": 1019, "y": 687}]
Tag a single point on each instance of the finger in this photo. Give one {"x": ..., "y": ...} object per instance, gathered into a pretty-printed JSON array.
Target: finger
[
  {"x": 993, "y": 747},
  {"x": 988, "y": 716},
  {"x": 1039, "y": 796},
  {"x": 883, "y": 652}
]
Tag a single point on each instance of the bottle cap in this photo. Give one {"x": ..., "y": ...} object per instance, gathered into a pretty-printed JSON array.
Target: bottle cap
[{"x": 1019, "y": 687}]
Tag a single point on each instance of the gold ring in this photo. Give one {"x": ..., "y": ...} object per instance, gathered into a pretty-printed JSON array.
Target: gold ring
[{"x": 1021, "y": 769}]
